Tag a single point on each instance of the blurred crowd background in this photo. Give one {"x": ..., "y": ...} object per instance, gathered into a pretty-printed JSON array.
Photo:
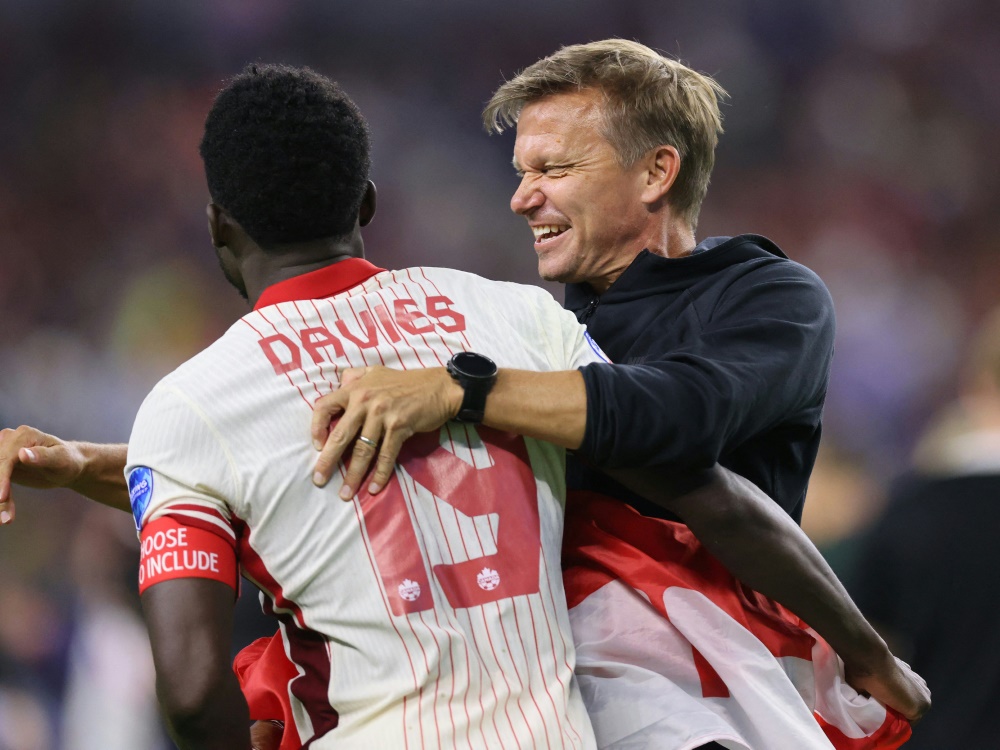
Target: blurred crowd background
[{"x": 860, "y": 136}]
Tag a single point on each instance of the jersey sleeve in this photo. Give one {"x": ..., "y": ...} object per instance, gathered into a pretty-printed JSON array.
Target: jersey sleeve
[
  {"x": 179, "y": 478},
  {"x": 570, "y": 345},
  {"x": 764, "y": 353},
  {"x": 576, "y": 344}
]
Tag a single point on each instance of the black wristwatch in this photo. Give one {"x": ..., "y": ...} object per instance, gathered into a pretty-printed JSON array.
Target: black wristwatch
[{"x": 476, "y": 374}]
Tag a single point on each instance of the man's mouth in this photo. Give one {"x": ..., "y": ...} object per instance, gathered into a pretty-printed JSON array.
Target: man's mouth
[{"x": 548, "y": 232}]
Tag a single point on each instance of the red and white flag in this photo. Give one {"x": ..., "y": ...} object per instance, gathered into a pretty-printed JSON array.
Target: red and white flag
[{"x": 673, "y": 652}]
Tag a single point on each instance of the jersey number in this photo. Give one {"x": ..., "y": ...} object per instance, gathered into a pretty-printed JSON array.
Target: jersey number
[{"x": 506, "y": 488}]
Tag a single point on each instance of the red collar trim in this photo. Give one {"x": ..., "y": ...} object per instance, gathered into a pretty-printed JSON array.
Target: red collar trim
[{"x": 323, "y": 282}]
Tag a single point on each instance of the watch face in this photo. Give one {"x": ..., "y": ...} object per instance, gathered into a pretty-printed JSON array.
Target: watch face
[{"x": 475, "y": 365}]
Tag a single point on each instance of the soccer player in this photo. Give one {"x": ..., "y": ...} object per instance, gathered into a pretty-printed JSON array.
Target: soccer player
[
  {"x": 727, "y": 344},
  {"x": 430, "y": 616}
]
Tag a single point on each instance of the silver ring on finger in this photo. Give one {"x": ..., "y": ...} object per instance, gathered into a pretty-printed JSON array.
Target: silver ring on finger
[{"x": 368, "y": 441}]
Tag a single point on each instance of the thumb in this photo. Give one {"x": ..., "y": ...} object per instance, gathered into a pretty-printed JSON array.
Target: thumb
[{"x": 55, "y": 461}]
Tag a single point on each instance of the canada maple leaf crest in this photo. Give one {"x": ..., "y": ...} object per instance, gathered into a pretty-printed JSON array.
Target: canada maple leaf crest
[
  {"x": 488, "y": 579},
  {"x": 409, "y": 590}
]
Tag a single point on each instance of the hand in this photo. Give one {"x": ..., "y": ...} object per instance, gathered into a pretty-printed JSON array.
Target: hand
[
  {"x": 380, "y": 404},
  {"x": 31, "y": 458},
  {"x": 265, "y": 735},
  {"x": 896, "y": 686}
]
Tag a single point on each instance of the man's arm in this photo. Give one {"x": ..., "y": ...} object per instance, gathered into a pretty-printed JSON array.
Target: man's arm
[
  {"x": 190, "y": 622},
  {"x": 764, "y": 548},
  {"x": 34, "y": 459},
  {"x": 763, "y": 354},
  {"x": 391, "y": 405},
  {"x": 760, "y": 358}
]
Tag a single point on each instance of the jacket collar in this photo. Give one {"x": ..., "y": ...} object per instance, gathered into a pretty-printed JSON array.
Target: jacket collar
[{"x": 653, "y": 273}]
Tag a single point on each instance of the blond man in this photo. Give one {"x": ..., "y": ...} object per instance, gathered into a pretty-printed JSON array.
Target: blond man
[{"x": 727, "y": 347}]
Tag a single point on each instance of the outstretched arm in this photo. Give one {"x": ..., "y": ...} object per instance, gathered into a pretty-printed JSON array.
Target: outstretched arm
[
  {"x": 32, "y": 458},
  {"x": 764, "y": 548},
  {"x": 190, "y": 622}
]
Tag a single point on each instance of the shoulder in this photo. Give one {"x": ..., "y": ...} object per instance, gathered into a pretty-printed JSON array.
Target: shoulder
[
  {"x": 484, "y": 289},
  {"x": 191, "y": 390},
  {"x": 220, "y": 359},
  {"x": 760, "y": 259},
  {"x": 758, "y": 268}
]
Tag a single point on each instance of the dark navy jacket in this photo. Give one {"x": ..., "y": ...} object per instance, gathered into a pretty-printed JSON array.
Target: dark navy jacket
[{"x": 729, "y": 354}]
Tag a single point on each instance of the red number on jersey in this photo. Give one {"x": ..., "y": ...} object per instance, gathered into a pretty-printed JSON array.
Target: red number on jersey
[{"x": 507, "y": 488}]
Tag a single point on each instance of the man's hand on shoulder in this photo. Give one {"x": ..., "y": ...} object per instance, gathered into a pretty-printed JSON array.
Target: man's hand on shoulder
[
  {"x": 377, "y": 405},
  {"x": 32, "y": 458}
]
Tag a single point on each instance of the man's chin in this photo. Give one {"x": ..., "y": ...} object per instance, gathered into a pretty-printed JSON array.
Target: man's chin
[{"x": 552, "y": 272}]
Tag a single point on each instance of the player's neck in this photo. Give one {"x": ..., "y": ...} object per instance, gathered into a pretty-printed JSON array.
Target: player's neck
[{"x": 268, "y": 267}]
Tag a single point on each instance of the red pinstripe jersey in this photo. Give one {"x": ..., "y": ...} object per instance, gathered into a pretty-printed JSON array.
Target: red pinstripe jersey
[{"x": 433, "y": 614}]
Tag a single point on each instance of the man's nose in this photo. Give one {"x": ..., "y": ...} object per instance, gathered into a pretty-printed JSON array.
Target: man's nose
[{"x": 527, "y": 197}]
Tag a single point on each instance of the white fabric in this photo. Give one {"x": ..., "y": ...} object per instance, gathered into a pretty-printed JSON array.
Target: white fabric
[
  {"x": 638, "y": 676},
  {"x": 229, "y": 432}
]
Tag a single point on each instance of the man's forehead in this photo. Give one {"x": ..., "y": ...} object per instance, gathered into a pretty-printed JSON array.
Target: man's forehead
[
  {"x": 556, "y": 123},
  {"x": 557, "y": 111}
]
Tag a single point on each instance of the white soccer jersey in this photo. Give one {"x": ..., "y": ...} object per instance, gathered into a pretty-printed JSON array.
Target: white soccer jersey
[{"x": 432, "y": 615}]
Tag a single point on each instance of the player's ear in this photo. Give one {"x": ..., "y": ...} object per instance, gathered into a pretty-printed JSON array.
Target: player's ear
[
  {"x": 215, "y": 225},
  {"x": 367, "y": 210}
]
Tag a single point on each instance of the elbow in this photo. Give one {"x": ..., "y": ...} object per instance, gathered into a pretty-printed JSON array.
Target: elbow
[
  {"x": 720, "y": 509},
  {"x": 187, "y": 699}
]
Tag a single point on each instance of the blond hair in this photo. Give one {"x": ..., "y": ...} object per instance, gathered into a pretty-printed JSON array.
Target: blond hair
[{"x": 649, "y": 101}]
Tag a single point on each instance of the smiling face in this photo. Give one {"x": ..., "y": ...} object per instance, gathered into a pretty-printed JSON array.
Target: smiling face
[{"x": 585, "y": 210}]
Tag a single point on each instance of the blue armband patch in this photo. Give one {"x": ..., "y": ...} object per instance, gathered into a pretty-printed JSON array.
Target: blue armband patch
[
  {"x": 140, "y": 491},
  {"x": 595, "y": 347}
]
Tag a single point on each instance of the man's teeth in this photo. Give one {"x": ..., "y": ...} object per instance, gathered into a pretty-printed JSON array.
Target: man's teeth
[{"x": 548, "y": 231}]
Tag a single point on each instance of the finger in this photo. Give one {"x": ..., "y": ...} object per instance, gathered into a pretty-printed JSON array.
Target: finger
[
  {"x": 328, "y": 407},
  {"x": 8, "y": 462},
  {"x": 361, "y": 458},
  {"x": 392, "y": 443},
  {"x": 45, "y": 458},
  {"x": 340, "y": 438},
  {"x": 7, "y": 512},
  {"x": 51, "y": 465},
  {"x": 6, "y": 471}
]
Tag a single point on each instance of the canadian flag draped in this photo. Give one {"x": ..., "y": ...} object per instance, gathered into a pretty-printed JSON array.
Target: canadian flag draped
[{"x": 673, "y": 652}]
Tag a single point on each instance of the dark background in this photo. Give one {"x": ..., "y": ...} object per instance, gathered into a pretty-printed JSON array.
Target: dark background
[{"x": 860, "y": 136}]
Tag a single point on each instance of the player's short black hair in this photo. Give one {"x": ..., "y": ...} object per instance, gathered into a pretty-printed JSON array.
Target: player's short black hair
[{"x": 286, "y": 154}]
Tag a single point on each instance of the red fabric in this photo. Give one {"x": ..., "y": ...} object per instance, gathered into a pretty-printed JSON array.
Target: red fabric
[
  {"x": 606, "y": 540},
  {"x": 323, "y": 282},
  {"x": 264, "y": 673},
  {"x": 309, "y": 650}
]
